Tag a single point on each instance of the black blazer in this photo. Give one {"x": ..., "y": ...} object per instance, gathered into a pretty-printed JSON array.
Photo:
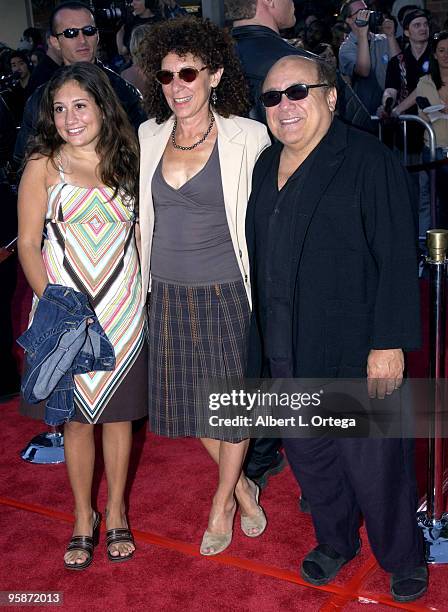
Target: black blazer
[{"x": 354, "y": 281}]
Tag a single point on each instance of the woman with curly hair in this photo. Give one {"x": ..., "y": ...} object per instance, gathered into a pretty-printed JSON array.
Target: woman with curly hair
[
  {"x": 197, "y": 156},
  {"x": 80, "y": 184}
]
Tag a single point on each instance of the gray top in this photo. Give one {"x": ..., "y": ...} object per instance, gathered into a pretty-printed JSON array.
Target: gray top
[
  {"x": 191, "y": 243},
  {"x": 369, "y": 89}
]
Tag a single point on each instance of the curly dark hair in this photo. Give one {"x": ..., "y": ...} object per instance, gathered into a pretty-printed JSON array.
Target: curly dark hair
[
  {"x": 117, "y": 146},
  {"x": 206, "y": 41}
]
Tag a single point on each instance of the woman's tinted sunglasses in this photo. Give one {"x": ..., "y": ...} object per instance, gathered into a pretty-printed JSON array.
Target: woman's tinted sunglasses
[
  {"x": 186, "y": 74},
  {"x": 299, "y": 91}
]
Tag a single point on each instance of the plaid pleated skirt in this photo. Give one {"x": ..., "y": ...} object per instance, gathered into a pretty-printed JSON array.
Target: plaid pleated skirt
[{"x": 197, "y": 335}]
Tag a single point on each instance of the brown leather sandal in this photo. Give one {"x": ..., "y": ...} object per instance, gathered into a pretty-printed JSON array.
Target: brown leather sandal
[
  {"x": 113, "y": 536},
  {"x": 85, "y": 544}
]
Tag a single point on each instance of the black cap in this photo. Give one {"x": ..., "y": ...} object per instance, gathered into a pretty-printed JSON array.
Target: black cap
[
  {"x": 413, "y": 15},
  {"x": 407, "y": 8}
]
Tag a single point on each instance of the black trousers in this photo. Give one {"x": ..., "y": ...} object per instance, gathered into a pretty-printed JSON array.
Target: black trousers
[
  {"x": 260, "y": 454},
  {"x": 344, "y": 478}
]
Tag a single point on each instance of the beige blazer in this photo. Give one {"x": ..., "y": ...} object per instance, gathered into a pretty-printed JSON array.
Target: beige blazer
[{"x": 240, "y": 142}]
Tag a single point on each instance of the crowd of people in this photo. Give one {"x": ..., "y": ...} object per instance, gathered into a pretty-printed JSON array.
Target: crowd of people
[
  {"x": 226, "y": 255},
  {"x": 381, "y": 49},
  {"x": 374, "y": 45}
]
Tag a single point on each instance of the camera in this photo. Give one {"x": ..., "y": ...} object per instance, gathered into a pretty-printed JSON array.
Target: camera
[
  {"x": 9, "y": 82},
  {"x": 374, "y": 22},
  {"x": 376, "y": 19},
  {"x": 113, "y": 15}
]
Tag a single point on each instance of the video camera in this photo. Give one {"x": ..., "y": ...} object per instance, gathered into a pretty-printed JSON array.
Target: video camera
[
  {"x": 112, "y": 15},
  {"x": 374, "y": 22}
]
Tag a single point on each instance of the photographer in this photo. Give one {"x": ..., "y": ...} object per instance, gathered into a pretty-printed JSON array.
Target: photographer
[
  {"x": 21, "y": 72},
  {"x": 364, "y": 56},
  {"x": 144, "y": 13}
]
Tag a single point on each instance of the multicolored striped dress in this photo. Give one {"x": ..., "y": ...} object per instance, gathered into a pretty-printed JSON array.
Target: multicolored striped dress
[{"x": 90, "y": 246}]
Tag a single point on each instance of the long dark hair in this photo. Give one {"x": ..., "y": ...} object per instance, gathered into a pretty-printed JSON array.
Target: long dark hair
[
  {"x": 205, "y": 40},
  {"x": 117, "y": 146},
  {"x": 434, "y": 67}
]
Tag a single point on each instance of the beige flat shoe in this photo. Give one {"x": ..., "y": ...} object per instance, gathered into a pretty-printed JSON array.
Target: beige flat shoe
[
  {"x": 214, "y": 543},
  {"x": 257, "y": 522}
]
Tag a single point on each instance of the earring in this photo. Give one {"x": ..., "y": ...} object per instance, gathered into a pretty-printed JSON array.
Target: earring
[{"x": 214, "y": 97}]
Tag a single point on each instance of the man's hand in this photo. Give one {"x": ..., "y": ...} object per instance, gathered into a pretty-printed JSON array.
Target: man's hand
[
  {"x": 362, "y": 17},
  {"x": 385, "y": 115},
  {"x": 384, "y": 372},
  {"x": 361, "y": 23}
]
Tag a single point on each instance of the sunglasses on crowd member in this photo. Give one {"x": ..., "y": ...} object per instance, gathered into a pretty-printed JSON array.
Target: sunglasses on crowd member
[
  {"x": 299, "y": 91},
  {"x": 73, "y": 32},
  {"x": 186, "y": 74}
]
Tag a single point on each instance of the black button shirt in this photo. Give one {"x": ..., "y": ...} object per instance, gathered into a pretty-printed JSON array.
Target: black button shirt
[
  {"x": 405, "y": 82},
  {"x": 415, "y": 69},
  {"x": 275, "y": 229}
]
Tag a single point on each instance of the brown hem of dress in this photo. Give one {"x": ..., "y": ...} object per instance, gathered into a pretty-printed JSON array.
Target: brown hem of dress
[{"x": 129, "y": 402}]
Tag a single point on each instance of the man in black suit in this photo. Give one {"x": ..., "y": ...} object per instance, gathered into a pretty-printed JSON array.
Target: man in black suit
[
  {"x": 75, "y": 35},
  {"x": 332, "y": 245},
  {"x": 256, "y": 30}
]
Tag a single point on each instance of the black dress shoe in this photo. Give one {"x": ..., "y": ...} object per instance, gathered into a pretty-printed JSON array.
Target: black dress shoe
[
  {"x": 322, "y": 564},
  {"x": 410, "y": 585},
  {"x": 261, "y": 478}
]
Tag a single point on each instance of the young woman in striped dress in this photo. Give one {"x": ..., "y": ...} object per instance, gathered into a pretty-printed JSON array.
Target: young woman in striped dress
[{"x": 79, "y": 188}]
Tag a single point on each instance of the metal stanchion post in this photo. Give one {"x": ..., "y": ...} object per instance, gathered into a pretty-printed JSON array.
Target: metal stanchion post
[
  {"x": 432, "y": 154},
  {"x": 434, "y": 522},
  {"x": 432, "y": 157},
  {"x": 47, "y": 447}
]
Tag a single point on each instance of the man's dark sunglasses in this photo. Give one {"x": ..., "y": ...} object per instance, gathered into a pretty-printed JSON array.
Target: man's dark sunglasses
[
  {"x": 299, "y": 91},
  {"x": 186, "y": 74},
  {"x": 73, "y": 32}
]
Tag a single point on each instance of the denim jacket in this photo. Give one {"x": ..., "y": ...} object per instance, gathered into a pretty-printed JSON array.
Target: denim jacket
[{"x": 64, "y": 339}]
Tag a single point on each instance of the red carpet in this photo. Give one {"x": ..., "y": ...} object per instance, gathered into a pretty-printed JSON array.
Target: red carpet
[
  {"x": 171, "y": 485},
  {"x": 171, "y": 488}
]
